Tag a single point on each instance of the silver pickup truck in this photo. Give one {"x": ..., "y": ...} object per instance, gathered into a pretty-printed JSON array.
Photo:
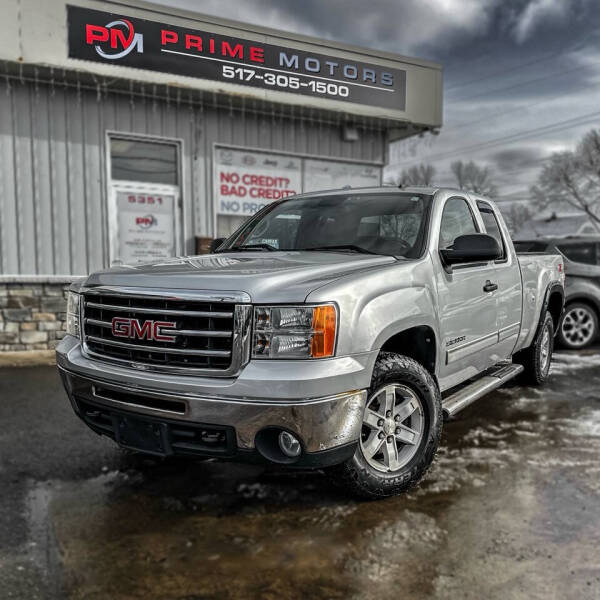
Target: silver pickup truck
[{"x": 333, "y": 330}]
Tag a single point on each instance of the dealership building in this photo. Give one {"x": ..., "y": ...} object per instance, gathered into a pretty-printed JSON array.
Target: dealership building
[{"x": 132, "y": 132}]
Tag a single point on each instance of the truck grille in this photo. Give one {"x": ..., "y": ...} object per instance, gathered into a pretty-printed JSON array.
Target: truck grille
[{"x": 194, "y": 334}]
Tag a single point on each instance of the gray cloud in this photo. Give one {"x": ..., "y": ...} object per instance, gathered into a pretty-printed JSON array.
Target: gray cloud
[
  {"x": 514, "y": 158},
  {"x": 401, "y": 27},
  {"x": 510, "y": 67},
  {"x": 538, "y": 11}
]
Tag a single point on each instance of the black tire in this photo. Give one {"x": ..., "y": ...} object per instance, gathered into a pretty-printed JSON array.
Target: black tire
[
  {"x": 359, "y": 477},
  {"x": 578, "y": 315},
  {"x": 537, "y": 366}
]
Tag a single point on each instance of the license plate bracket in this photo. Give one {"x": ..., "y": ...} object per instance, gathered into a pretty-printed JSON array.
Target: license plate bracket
[{"x": 141, "y": 434}]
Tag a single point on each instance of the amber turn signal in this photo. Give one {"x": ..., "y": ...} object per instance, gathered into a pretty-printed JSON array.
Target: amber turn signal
[{"x": 324, "y": 325}]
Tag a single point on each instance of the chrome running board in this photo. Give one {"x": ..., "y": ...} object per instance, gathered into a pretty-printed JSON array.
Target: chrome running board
[{"x": 473, "y": 391}]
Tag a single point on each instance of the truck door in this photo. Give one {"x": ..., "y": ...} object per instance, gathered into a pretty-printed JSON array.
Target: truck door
[
  {"x": 467, "y": 311},
  {"x": 509, "y": 295}
]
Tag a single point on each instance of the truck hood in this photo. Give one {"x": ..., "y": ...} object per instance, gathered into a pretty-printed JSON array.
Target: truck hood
[{"x": 265, "y": 276}]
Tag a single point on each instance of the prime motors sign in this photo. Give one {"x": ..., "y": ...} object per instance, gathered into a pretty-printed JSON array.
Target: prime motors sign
[{"x": 120, "y": 39}]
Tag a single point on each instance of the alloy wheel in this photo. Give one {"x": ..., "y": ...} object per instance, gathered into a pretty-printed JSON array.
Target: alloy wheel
[
  {"x": 578, "y": 326},
  {"x": 393, "y": 427},
  {"x": 545, "y": 350}
]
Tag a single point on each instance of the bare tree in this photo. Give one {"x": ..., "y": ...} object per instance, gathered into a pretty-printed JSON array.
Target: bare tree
[
  {"x": 572, "y": 179},
  {"x": 470, "y": 176},
  {"x": 417, "y": 175},
  {"x": 516, "y": 215}
]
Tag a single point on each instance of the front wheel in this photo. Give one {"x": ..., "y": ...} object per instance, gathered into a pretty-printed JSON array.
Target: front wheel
[{"x": 401, "y": 428}]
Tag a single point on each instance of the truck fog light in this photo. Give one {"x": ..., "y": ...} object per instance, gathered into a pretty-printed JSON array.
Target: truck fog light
[{"x": 289, "y": 444}]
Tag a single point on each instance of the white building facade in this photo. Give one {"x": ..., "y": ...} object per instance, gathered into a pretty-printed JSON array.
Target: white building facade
[{"x": 132, "y": 132}]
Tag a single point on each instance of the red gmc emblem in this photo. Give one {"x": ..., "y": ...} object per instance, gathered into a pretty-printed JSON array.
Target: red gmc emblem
[{"x": 148, "y": 330}]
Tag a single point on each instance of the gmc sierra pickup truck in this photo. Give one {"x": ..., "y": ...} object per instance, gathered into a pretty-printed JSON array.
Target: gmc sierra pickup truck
[{"x": 333, "y": 330}]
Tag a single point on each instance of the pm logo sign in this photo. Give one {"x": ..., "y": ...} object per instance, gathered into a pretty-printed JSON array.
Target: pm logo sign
[{"x": 115, "y": 39}]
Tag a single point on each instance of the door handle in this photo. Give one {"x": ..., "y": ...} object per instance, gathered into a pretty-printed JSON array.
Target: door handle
[{"x": 490, "y": 287}]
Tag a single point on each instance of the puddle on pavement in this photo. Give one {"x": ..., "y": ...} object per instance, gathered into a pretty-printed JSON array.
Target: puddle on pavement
[{"x": 510, "y": 509}]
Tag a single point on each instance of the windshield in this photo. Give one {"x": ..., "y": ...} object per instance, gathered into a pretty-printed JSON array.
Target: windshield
[{"x": 392, "y": 224}]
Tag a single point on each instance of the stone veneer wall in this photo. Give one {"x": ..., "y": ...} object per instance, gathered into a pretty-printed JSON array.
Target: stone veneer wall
[{"x": 32, "y": 312}]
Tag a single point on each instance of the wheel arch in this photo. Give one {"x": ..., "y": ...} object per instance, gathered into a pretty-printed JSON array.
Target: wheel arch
[
  {"x": 555, "y": 305},
  {"x": 417, "y": 342}
]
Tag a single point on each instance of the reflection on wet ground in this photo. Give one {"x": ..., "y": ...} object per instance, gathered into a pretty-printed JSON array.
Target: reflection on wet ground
[{"x": 511, "y": 509}]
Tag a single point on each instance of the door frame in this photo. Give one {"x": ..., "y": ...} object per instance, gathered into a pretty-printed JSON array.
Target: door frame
[
  {"x": 456, "y": 358},
  {"x": 113, "y": 186}
]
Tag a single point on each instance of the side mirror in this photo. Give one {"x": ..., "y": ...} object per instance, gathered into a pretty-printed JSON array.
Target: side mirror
[
  {"x": 474, "y": 247},
  {"x": 214, "y": 245}
]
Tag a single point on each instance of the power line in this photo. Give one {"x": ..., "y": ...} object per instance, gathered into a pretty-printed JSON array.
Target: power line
[
  {"x": 542, "y": 130},
  {"x": 578, "y": 46},
  {"x": 525, "y": 83},
  {"x": 502, "y": 71},
  {"x": 496, "y": 114},
  {"x": 505, "y": 112},
  {"x": 525, "y": 166}
]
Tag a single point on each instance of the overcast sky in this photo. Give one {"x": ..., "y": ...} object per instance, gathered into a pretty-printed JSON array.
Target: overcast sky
[{"x": 521, "y": 77}]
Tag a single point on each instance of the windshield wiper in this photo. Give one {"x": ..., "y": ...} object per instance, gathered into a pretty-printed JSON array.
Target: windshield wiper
[
  {"x": 249, "y": 247},
  {"x": 349, "y": 247}
]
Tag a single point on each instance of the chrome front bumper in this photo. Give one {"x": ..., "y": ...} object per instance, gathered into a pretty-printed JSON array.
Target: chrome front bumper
[{"x": 267, "y": 394}]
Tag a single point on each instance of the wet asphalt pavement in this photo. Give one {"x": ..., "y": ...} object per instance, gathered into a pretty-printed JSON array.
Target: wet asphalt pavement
[{"x": 510, "y": 509}]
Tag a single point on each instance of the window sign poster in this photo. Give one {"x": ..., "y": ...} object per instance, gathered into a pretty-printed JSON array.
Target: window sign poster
[
  {"x": 245, "y": 181},
  {"x": 329, "y": 175},
  {"x": 146, "y": 227}
]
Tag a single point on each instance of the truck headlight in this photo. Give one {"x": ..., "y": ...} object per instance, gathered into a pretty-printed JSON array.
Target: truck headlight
[
  {"x": 73, "y": 304},
  {"x": 294, "y": 331}
]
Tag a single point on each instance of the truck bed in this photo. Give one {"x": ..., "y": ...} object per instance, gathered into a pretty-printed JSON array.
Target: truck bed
[{"x": 538, "y": 271}]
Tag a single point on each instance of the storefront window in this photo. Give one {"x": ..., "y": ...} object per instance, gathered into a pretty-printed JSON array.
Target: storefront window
[{"x": 143, "y": 161}]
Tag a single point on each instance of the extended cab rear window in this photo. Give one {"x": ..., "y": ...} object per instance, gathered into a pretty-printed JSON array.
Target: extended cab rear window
[
  {"x": 491, "y": 225},
  {"x": 531, "y": 246}
]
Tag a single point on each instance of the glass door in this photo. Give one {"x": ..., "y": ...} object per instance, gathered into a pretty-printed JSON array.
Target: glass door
[{"x": 144, "y": 199}]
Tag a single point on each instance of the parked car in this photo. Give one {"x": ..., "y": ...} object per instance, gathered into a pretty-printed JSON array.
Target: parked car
[
  {"x": 332, "y": 330},
  {"x": 579, "y": 325}
]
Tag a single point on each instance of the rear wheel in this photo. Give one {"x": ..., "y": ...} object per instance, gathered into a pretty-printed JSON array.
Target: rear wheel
[
  {"x": 537, "y": 358},
  {"x": 578, "y": 327},
  {"x": 401, "y": 428}
]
